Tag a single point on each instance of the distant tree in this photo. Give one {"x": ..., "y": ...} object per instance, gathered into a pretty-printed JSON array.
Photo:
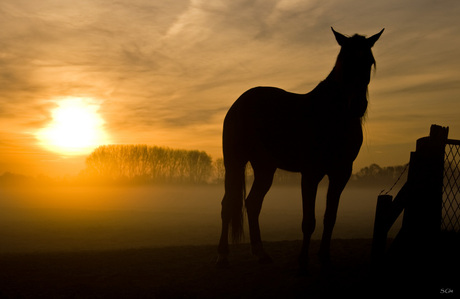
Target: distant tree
[
  {"x": 148, "y": 164},
  {"x": 219, "y": 170},
  {"x": 374, "y": 174},
  {"x": 198, "y": 166},
  {"x": 371, "y": 171}
]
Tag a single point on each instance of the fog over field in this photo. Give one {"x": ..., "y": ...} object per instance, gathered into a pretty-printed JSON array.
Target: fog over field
[{"x": 96, "y": 218}]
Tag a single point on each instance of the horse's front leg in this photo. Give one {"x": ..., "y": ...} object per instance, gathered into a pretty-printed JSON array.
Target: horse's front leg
[
  {"x": 337, "y": 182},
  {"x": 309, "y": 190}
]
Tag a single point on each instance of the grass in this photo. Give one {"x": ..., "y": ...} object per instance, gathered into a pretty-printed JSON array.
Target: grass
[
  {"x": 189, "y": 272},
  {"x": 184, "y": 272}
]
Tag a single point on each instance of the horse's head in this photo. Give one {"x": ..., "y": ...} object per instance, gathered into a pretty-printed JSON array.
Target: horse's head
[{"x": 353, "y": 68}]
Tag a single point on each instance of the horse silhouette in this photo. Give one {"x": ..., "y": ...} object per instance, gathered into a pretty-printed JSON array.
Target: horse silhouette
[{"x": 317, "y": 134}]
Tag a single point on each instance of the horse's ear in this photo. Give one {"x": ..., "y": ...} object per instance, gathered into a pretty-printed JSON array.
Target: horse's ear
[
  {"x": 341, "y": 39},
  {"x": 371, "y": 40}
]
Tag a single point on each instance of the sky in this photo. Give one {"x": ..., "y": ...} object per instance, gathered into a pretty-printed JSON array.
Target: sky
[{"x": 165, "y": 72}]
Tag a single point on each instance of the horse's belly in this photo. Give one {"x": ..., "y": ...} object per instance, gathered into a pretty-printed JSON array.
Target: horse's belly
[
  {"x": 289, "y": 152},
  {"x": 305, "y": 149}
]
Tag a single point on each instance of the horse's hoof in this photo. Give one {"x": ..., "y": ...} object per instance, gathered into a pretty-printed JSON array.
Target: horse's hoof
[{"x": 222, "y": 262}]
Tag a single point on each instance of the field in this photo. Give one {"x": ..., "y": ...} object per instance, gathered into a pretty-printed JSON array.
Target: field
[
  {"x": 160, "y": 242},
  {"x": 83, "y": 218},
  {"x": 182, "y": 272}
]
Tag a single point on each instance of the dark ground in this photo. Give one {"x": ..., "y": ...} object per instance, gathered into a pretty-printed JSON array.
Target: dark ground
[{"x": 189, "y": 272}]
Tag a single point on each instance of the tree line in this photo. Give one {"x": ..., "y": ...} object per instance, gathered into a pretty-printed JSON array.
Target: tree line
[
  {"x": 142, "y": 164},
  {"x": 148, "y": 164},
  {"x": 153, "y": 164},
  {"x": 382, "y": 176}
]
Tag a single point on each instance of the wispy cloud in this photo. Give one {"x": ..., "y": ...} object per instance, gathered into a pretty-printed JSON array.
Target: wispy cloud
[{"x": 170, "y": 70}]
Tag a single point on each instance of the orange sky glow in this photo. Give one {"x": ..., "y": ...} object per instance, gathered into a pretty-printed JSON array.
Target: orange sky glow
[{"x": 165, "y": 72}]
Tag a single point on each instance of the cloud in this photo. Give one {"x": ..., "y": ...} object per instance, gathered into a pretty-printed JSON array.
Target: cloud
[
  {"x": 163, "y": 68},
  {"x": 152, "y": 55}
]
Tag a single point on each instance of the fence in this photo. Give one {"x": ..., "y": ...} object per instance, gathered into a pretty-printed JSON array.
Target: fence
[
  {"x": 430, "y": 199},
  {"x": 451, "y": 188}
]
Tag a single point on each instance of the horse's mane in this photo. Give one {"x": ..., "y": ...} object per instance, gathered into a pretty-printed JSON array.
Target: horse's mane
[
  {"x": 326, "y": 84},
  {"x": 361, "y": 38}
]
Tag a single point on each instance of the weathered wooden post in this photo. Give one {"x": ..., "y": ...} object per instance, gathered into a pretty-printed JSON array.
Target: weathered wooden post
[
  {"x": 381, "y": 224},
  {"x": 422, "y": 215}
]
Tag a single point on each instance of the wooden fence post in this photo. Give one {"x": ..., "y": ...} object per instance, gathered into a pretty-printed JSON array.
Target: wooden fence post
[
  {"x": 422, "y": 215},
  {"x": 381, "y": 227}
]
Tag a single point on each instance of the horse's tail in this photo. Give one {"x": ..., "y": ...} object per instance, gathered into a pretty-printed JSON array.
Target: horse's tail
[{"x": 232, "y": 204}]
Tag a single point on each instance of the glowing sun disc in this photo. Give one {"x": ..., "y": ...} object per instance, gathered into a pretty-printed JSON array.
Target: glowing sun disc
[{"x": 76, "y": 128}]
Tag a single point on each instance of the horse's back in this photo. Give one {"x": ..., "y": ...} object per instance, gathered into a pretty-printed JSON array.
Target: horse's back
[
  {"x": 260, "y": 106},
  {"x": 267, "y": 121}
]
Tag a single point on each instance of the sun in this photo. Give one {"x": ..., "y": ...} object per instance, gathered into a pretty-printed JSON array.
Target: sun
[{"x": 76, "y": 128}]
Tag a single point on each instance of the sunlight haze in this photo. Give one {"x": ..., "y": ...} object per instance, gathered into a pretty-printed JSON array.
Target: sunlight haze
[{"x": 76, "y": 128}]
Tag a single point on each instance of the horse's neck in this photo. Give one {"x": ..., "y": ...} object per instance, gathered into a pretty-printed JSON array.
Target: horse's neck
[
  {"x": 327, "y": 89},
  {"x": 328, "y": 98},
  {"x": 334, "y": 81}
]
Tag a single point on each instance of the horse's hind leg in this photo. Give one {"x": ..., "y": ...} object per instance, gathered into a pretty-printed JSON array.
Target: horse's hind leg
[
  {"x": 231, "y": 207},
  {"x": 223, "y": 249},
  {"x": 337, "y": 182},
  {"x": 263, "y": 178}
]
